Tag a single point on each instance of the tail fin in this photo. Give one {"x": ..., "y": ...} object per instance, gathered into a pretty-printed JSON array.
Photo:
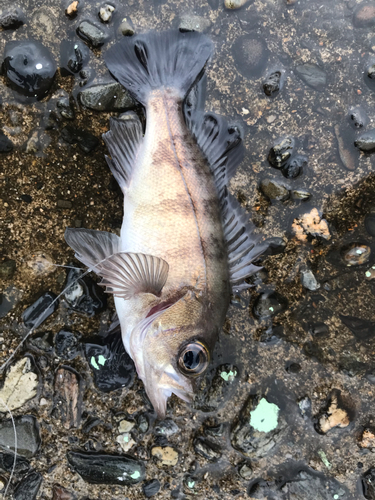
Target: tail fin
[{"x": 152, "y": 60}]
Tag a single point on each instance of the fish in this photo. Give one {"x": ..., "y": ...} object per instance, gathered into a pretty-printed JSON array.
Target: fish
[{"x": 185, "y": 242}]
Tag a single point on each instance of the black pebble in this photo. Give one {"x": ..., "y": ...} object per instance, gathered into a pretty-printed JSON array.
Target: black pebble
[
  {"x": 275, "y": 245},
  {"x": 272, "y": 84},
  {"x": 281, "y": 151},
  {"x": 357, "y": 117},
  {"x": 26, "y": 198},
  {"x": 29, "y": 486},
  {"x": 92, "y": 34},
  {"x": 86, "y": 141},
  {"x": 6, "y": 145},
  {"x": 294, "y": 166},
  {"x": 366, "y": 141},
  {"x": 38, "y": 312},
  {"x": 29, "y": 67},
  {"x": 66, "y": 345},
  {"x": 73, "y": 56},
  {"x": 268, "y": 305},
  {"x": 150, "y": 488},
  {"x": 12, "y": 18}
]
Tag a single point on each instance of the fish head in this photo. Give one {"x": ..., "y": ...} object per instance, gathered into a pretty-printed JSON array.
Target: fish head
[{"x": 171, "y": 348}]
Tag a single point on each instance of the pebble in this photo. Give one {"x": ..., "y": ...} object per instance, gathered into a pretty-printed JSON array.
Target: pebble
[
  {"x": 28, "y": 436},
  {"x": 304, "y": 405},
  {"x": 111, "y": 365},
  {"x": 294, "y": 166},
  {"x": 362, "y": 329},
  {"x": 314, "y": 76},
  {"x": 67, "y": 345},
  {"x": 126, "y": 27},
  {"x": 143, "y": 423},
  {"x": 92, "y": 34},
  {"x": 60, "y": 493},
  {"x": 7, "y": 269},
  {"x": 110, "y": 96},
  {"x": 364, "y": 15},
  {"x": 6, "y": 463},
  {"x": 40, "y": 310},
  {"x": 106, "y": 12},
  {"x": 357, "y": 117},
  {"x": 125, "y": 426},
  {"x": 250, "y": 56},
  {"x": 165, "y": 455},
  {"x": 67, "y": 398},
  {"x": 275, "y": 246},
  {"x": 192, "y": 22},
  {"x": 269, "y": 305},
  {"x": 6, "y": 145},
  {"x": 368, "y": 484},
  {"x": 274, "y": 190},
  {"x": 72, "y": 9},
  {"x": 29, "y": 68},
  {"x": 126, "y": 441},
  {"x": 368, "y": 439},
  {"x": 273, "y": 84},
  {"x": 84, "y": 295},
  {"x": 366, "y": 141},
  {"x": 20, "y": 385},
  {"x": 355, "y": 254},
  {"x": 309, "y": 281},
  {"x": 107, "y": 469},
  {"x": 151, "y": 488},
  {"x": 28, "y": 487},
  {"x": 335, "y": 416},
  {"x": 166, "y": 428},
  {"x": 207, "y": 449},
  {"x": 234, "y": 4},
  {"x": 300, "y": 194},
  {"x": 281, "y": 151},
  {"x": 311, "y": 225},
  {"x": 370, "y": 224},
  {"x": 12, "y": 18},
  {"x": 73, "y": 57},
  {"x": 85, "y": 140},
  {"x": 245, "y": 471}
]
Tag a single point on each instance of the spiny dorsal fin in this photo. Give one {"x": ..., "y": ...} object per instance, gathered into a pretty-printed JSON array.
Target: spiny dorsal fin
[
  {"x": 127, "y": 274},
  {"x": 92, "y": 246},
  {"x": 123, "y": 141}
]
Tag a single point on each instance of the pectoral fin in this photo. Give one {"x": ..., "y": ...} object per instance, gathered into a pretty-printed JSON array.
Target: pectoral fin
[
  {"x": 127, "y": 274},
  {"x": 92, "y": 246}
]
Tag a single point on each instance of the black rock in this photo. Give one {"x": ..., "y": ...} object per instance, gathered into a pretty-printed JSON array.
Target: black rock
[
  {"x": 92, "y": 34},
  {"x": 29, "y": 67},
  {"x": 368, "y": 484},
  {"x": 357, "y": 117},
  {"x": 150, "y": 488},
  {"x": 64, "y": 108},
  {"x": 294, "y": 166},
  {"x": 366, "y": 141},
  {"x": 7, "y": 269},
  {"x": 274, "y": 190},
  {"x": 84, "y": 295},
  {"x": 126, "y": 27},
  {"x": 370, "y": 224},
  {"x": 318, "y": 329},
  {"x": 273, "y": 84},
  {"x": 43, "y": 341},
  {"x": 275, "y": 246},
  {"x": 28, "y": 436},
  {"x": 250, "y": 56},
  {"x": 6, "y": 463},
  {"x": 85, "y": 140},
  {"x": 166, "y": 428},
  {"x": 362, "y": 329},
  {"x": 98, "y": 468},
  {"x": 6, "y": 145},
  {"x": 67, "y": 345},
  {"x": 207, "y": 449},
  {"x": 307, "y": 484},
  {"x": 110, "y": 96},
  {"x": 269, "y": 304},
  {"x": 312, "y": 75},
  {"x": 28, "y": 487},
  {"x": 26, "y": 198},
  {"x": 143, "y": 422},
  {"x": 111, "y": 365},
  {"x": 42, "y": 308},
  {"x": 281, "y": 151},
  {"x": 12, "y": 18},
  {"x": 73, "y": 56}
]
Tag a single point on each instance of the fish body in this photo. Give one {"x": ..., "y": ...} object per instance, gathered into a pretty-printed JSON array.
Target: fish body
[{"x": 184, "y": 241}]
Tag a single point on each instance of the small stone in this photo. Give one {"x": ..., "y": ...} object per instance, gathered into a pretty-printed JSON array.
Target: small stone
[
  {"x": 269, "y": 305},
  {"x": 312, "y": 75},
  {"x": 250, "y": 56},
  {"x": 28, "y": 487},
  {"x": 207, "y": 449},
  {"x": 12, "y": 18},
  {"x": 60, "y": 493},
  {"x": 362, "y": 329},
  {"x": 20, "y": 385},
  {"x": 42, "y": 308},
  {"x": 368, "y": 484},
  {"x": 26, "y": 198},
  {"x": 92, "y": 34},
  {"x": 366, "y": 141},
  {"x": 192, "y": 22},
  {"x": 125, "y": 441},
  {"x": 368, "y": 439},
  {"x": 150, "y": 488},
  {"x": 72, "y": 9},
  {"x": 22, "y": 465},
  {"x": 73, "y": 56},
  {"x": 67, "y": 345},
  {"x": 85, "y": 140},
  {"x": 273, "y": 84},
  {"x": 110, "y": 96},
  {"x": 125, "y": 426},
  {"x": 6, "y": 145},
  {"x": 105, "y": 12},
  {"x": 309, "y": 281},
  {"x": 355, "y": 254},
  {"x": 294, "y": 167},
  {"x": 311, "y": 225},
  {"x": 336, "y": 415},
  {"x": 357, "y": 117},
  {"x": 364, "y": 15},
  {"x": 98, "y": 468},
  {"x": 300, "y": 194},
  {"x": 274, "y": 190},
  {"x": 245, "y": 471},
  {"x": 275, "y": 246},
  {"x": 126, "y": 27},
  {"x": 7, "y": 269},
  {"x": 84, "y": 295},
  {"x": 304, "y": 405},
  {"x": 143, "y": 423},
  {"x": 166, "y": 428},
  {"x": 165, "y": 455},
  {"x": 68, "y": 397},
  {"x": 234, "y": 4},
  {"x": 28, "y": 435},
  {"x": 281, "y": 151},
  {"x": 64, "y": 204}
]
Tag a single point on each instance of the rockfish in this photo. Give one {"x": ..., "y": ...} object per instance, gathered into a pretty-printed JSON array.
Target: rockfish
[{"x": 185, "y": 241}]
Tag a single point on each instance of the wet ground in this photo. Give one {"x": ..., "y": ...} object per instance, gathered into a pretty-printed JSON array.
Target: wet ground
[{"x": 286, "y": 411}]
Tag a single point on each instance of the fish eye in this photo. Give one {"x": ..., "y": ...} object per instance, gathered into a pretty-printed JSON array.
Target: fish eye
[{"x": 193, "y": 359}]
